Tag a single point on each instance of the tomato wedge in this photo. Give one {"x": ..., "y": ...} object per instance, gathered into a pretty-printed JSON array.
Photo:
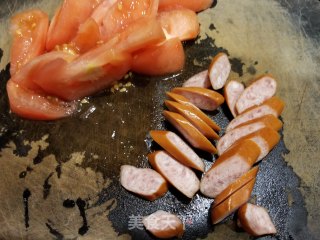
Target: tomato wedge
[
  {"x": 67, "y": 19},
  {"x": 29, "y": 31},
  {"x": 101, "y": 66},
  {"x": 194, "y": 5},
  {"x": 25, "y": 77},
  {"x": 87, "y": 36},
  {"x": 31, "y": 105},
  {"x": 161, "y": 59},
  {"x": 101, "y": 11},
  {"x": 124, "y": 12},
  {"x": 179, "y": 22}
]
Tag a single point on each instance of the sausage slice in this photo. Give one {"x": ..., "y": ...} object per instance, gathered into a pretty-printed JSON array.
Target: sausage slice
[
  {"x": 200, "y": 79},
  {"x": 235, "y": 134},
  {"x": 219, "y": 70},
  {"x": 256, "y": 93},
  {"x": 229, "y": 167},
  {"x": 266, "y": 138},
  {"x": 175, "y": 146},
  {"x": 272, "y": 106},
  {"x": 164, "y": 225},
  {"x": 144, "y": 182},
  {"x": 236, "y": 185},
  {"x": 232, "y": 203},
  {"x": 181, "y": 99},
  {"x": 190, "y": 115},
  {"x": 232, "y": 92},
  {"x": 269, "y": 120},
  {"x": 190, "y": 133},
  {"x": 203, "y": 98},
  {"x": 255, "y": 220},
  {"x": 180, "y": 176}
]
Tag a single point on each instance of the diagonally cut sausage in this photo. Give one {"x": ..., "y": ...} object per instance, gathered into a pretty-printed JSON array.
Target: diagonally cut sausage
[
  {"x": 234, "y": 135},
  {"x": 143, "y": 181},
  {"x": 178, "y": 175},
  {"x": 229, "y": 167},
  {"x": 236, "y": 185},
  {"x": 181, "y": 99},
  {"x": 255, "y": 220},
  {"x": 256, "y": 93},
  {"x": 266, "y": 138},
  {"x": 219, "y": 70},
  {"x": 269, "y": 120},
  {"x": 272, "y": 106},
  {"x": 232, "y": 92},
  {"x": 175, "y": 146},
  {"x": 203, "y": 98},
  {"x": 200, "y": 79},
  {"x": 190, "y": 115},
  {"x": 232, "y": 203},
  {"x": 163, "y": 224},
  {"x": 190, "y": 133}
]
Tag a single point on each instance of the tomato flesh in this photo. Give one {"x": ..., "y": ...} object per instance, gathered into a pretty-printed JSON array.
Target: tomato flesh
[
  {"x": 87, "y": 37},
  {"x": 124, "y": 12},
  {"x": 31, "y": 105},
  {"x": 29, "y": 31},
  {"x": 194, "y": 5},
  {"x": 161, "y": 59},
  {"x": 179, "y": 22},
  {"x": 65, "y": 24}
]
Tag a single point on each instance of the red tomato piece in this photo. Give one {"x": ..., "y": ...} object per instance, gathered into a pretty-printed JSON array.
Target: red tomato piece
[
  {"x": 87, "y": 36},
  {"x": 100, "y": 67},
  {"x": 179, "y": 22},
  {"x": 31, "y": 105},
  {"x": 67, "y": 19},
  {"x": 124, "y": 12},
  {"x": 194, "y": 5},
  {"x": 101, "y": 11},
  {"x": 29, "y": 31},
  {"x": 161, "y": 59},
  {"x": 30, "y": 71}
]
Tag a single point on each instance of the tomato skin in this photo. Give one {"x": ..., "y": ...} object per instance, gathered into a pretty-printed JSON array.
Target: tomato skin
[
  {"x": 25, "y": 77},
  {"x": 179, "y": 22},
  {"x": 67, "y": 19},
  {"x": 29, "y": 31},
  {"x": 161, "y": 59},
  {"x": 194, "y": 5},
  {"x": 31, "y": 105},
  {"x": 125, "y": 12},
  {"x": 87, "y": 37},
  {"x": 72, "y": 82}
]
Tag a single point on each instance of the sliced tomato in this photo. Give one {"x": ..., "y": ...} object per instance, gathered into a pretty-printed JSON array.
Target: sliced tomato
[
  {"x": 179, "y": 22},
  {"x": 56, "y": 79},
  {"x": 87, "y": 37},
  {"x": 194, "y": 5},
  {"x": 29, "y": 31},
  {"x": 31, "y": 105},
  {"x": 67, "y": 19},
  {"x": 98, "y": 68},
  {"x": 101, "y": 11},
  {"x": 161, "y": 59},
  {"x": 25, "y": 77},
  {"x": 124, "y": 12}
]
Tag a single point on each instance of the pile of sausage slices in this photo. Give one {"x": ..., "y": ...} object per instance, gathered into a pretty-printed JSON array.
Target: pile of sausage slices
[{"x": 249, "y": 137}]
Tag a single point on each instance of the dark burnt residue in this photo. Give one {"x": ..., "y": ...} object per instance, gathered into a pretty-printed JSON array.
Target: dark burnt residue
[
  {"x": 68, "y": 203},
  {"x": 25, "y": 196},
  {"x": 54, "y": 232},
  {"x": 47, "y": 186},
  {"x": 237, "y": 66},
  {"x": 81, "y": 205}
]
